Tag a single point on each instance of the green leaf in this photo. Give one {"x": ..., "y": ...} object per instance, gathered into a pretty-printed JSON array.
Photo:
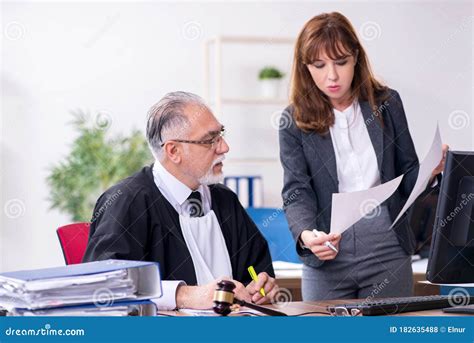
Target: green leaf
[
  {"x": 95, "y": 163},
  {"x": 270, "y": 73}
]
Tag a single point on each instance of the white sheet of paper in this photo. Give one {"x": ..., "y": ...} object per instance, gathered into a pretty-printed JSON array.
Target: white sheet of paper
[
  {"x": 283, "y": 265},
  {"x": 349, "y": 208},
  {"x": 206, "y": 313},
  {"x": 429, "y": 163},
  {"x": 211, "y": 313}
]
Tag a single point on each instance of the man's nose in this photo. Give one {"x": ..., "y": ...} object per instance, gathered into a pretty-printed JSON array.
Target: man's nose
[{"x": 223, "y": 147}]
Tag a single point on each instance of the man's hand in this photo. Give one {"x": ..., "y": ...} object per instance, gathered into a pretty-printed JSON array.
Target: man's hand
[
  {"x": 268, "y": 284},
  {"x": 316, "y": 244},
  {"x": 201, "y": 297}
]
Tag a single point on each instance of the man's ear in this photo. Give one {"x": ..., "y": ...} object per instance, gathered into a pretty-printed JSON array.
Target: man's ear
[{"x": 172, "y": 152}]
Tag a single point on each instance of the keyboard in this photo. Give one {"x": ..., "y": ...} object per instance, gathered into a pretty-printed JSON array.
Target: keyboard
[
  {"x": 388, "y": 306},
  {"x": 468, "y": 309}
]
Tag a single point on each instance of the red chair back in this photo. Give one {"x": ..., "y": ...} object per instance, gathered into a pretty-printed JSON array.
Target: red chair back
[{"x": 73, "y": 239}]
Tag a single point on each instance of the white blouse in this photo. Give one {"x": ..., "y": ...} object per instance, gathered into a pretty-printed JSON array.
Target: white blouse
[{"x": 356, "y": 161}]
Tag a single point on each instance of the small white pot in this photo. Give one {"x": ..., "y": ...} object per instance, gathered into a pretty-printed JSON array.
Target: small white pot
[{"x": 270, "y": 88}]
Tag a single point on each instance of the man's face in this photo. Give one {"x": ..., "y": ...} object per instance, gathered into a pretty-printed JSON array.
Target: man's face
[{"x": 203, "y": 162}]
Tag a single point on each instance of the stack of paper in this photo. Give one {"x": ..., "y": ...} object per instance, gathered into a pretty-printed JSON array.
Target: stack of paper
[
  {"x": 120, "y": 309},
  {"x": 69, "y": 290},
  {"x": 101, "y": 284}
]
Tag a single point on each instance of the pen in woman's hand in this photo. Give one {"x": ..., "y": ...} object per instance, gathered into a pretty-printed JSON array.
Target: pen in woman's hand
[{"x": 327, "y": 243}]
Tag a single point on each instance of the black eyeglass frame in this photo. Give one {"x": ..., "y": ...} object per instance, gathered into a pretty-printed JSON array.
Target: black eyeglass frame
[{"x": 210, "y": 141}]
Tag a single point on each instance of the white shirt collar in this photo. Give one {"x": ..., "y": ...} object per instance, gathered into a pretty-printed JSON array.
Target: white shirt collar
[
  {"x": 348, "y": 111},
  {"x": 178, "y": 190}
]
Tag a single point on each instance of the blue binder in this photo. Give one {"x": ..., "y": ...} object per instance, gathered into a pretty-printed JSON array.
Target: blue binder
[
  {"x": 80, "y": 284},
  {"x": 76, "y": 270}
]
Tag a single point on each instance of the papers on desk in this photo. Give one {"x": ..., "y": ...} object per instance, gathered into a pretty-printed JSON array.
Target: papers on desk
[
  {"x": 283, "y": 265},
  {"x": 211, "y": 313},
  {"x": 352, "y": 206},
  {"x": 198, "y": 313},
  {"x": 419, "y": 266},
  {"x": 100, "y": 283},
  {"x": 119, "y": 309},
  {"x": 286, "y": 270}
]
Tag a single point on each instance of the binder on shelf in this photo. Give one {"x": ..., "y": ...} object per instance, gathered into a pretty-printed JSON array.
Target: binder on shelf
[{"x": 98, "y": 283}]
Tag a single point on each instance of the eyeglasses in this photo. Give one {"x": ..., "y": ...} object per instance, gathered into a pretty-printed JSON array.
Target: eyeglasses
[{"x": 213, "y": 142}]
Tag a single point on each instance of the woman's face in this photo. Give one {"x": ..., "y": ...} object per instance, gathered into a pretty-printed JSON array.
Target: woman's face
[{"x": 334, "y": 77}]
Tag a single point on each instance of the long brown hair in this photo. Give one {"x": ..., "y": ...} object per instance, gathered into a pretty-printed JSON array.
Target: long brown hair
[{"x": 333, "y": 34}]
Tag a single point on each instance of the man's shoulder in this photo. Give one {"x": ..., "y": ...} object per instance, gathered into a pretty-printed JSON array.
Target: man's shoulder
[
  {"x": 222, "y": 192},
  {"x": 137, "y": 184}
]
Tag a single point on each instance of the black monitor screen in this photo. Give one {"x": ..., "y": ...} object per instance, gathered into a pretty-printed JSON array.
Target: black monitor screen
[{"x": 451, "y": 257}]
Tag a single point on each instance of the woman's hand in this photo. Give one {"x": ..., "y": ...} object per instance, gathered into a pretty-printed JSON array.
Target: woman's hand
[
  {"x": 316, "y": 244},
  {"x": 440, "y": 166}
]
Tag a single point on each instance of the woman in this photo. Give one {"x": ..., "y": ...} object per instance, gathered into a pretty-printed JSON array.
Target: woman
[{"x": 348, "y": 133}]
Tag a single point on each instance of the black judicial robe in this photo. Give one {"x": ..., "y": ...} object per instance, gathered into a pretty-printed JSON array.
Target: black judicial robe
[{"x": 132, "y": 220}]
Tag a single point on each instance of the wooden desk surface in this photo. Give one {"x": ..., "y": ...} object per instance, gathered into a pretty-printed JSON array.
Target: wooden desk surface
[{"x": 298, "y": 307}]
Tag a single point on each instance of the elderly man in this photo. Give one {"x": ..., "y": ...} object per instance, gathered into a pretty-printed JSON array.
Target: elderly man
[{"x": 175, "y": 212}]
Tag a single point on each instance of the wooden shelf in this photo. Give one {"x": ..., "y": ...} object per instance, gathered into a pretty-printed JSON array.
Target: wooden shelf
[{"x": 214, "y": 45}]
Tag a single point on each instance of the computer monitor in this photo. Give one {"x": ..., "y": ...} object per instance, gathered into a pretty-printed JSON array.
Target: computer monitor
[{"x": 451, "y": 258}]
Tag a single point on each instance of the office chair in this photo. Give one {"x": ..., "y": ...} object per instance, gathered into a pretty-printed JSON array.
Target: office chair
[
  {"x": 272, "y": 223},
  {"x": 73, "y": 239}
]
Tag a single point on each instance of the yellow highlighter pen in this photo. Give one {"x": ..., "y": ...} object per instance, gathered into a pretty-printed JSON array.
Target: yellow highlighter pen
[{"x": 254, "y": 277}]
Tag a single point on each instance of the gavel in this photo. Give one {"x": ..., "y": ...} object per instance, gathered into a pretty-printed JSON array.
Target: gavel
[{"x": 224, "y": 298}]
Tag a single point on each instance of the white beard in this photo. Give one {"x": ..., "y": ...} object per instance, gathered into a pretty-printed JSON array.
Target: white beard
[{"x": 210, "y": 178}]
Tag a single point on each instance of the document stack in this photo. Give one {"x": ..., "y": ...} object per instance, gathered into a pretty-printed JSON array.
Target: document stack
[{"x": 111, "y": 287}]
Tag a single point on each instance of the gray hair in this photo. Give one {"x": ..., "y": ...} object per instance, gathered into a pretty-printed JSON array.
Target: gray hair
[{"x": 167, "y": 120}]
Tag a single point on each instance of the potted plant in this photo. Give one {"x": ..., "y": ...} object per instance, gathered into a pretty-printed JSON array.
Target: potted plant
[
  {"x": 96, "y": 162},
  {"x": 270, "y": 81}
]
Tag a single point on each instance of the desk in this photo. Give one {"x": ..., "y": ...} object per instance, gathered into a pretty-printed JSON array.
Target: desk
[{"x": 297, "y": 307}]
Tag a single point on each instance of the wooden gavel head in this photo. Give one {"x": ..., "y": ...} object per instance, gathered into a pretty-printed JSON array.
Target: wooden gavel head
[{"x": 223, "y": 297}]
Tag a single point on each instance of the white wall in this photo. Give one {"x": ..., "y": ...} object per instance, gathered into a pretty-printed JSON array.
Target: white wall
[{"x": 122, "y": 57}]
